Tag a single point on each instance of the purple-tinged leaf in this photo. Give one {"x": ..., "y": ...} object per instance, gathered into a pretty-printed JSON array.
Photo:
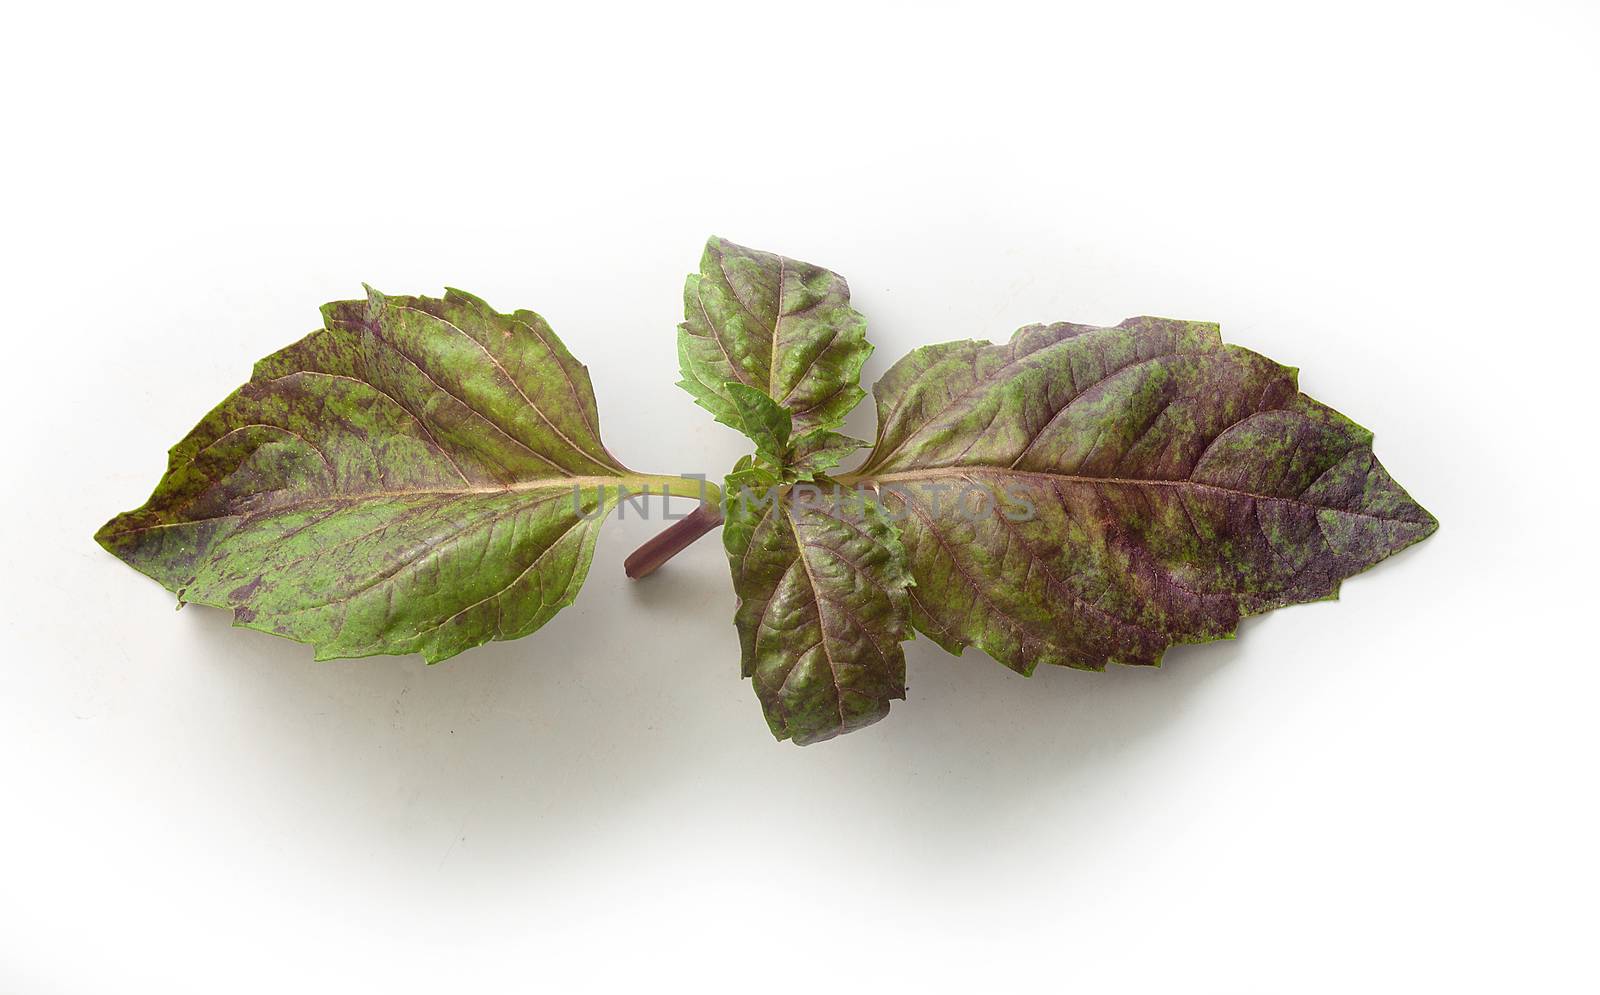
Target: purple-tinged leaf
[
  {"x": 420, "y": 476},
  {"x": 773, "y": 324},
  {"x": 822, "y": 609},
  {"x": 1144, "y": 485}
]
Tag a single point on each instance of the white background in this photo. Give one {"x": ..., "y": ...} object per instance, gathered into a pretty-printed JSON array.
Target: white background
[{"x": 1394, "y": 792}]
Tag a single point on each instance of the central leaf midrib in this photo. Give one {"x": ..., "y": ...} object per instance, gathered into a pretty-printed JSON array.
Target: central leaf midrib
[
  {"x": 580, "y": 483},
  {"x": 933, "y": 473},
  {"x": 822, "y": 625}
]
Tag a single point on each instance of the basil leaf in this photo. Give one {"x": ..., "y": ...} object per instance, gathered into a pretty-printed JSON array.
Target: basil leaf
[
  {"x": 763, "y": 420},
  {"x": 822, "y": 608},
  {"x": 419, "y": 476},
  {"x": 819, "y": 451},
  {"x": 775, "y": 325},
  {"x": 1145, "y": 485}
]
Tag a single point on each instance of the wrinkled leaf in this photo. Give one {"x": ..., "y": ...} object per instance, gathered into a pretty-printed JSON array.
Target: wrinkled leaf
[
  {"x": 421, "y": 475},
  {"x": 770, "y": 346},
  {"x": 775, "y": 325},
  {"x": 1143, "y": 485},
  {"x": 822, "y": 608}
]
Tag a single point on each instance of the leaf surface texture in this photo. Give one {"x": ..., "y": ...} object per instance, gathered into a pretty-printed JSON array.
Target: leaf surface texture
[{"x": 420, "y": 475}]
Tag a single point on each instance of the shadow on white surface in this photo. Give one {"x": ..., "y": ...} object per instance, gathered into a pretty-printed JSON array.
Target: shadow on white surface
[{"x": 525, "y": 747}]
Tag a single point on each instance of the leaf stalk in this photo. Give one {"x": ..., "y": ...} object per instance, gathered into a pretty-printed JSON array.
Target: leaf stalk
[{"x": 682, "y": 534}]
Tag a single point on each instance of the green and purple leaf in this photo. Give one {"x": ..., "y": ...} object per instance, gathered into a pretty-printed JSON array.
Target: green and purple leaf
[
  {"x": 1148, "y": 485},
  {"x": 775, "y": 325},
  {"x": 419, "y": 476},
  {"x": 764, "y": 421},
  {"x": 768, "y": 425},
  {"x": 822, "y": 608}
]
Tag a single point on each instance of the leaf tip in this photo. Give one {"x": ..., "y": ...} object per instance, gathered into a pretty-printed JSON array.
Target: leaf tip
[{"x": 102, "y": 536}]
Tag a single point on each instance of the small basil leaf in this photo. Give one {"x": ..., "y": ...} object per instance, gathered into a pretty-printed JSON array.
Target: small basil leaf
[
  {"x": 823, "y": 608},
  {"x": 819, "y": 451},
  {"x": 776, "y": 325},
  {"x": 762, "y": 419}
]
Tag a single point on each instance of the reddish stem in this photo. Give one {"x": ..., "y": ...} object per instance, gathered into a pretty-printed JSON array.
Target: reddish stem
[{"x": 682, "y": 534}]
